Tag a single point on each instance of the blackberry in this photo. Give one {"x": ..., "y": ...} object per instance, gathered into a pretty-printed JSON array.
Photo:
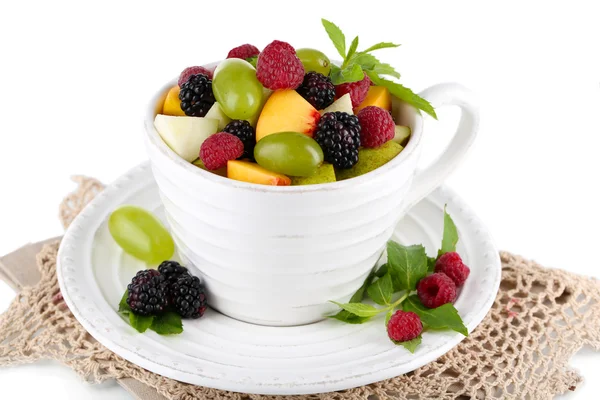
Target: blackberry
[
  {"x": 317, "y": 89},
  {"x": 196, "y": 95},
  {"x": 189, "y": 298},
  {"x": 245, "y": 132},
  {"x": 338, "y": 134},
  {"x": 172, "y": 270},
  {"x": 147, "y": 294}
]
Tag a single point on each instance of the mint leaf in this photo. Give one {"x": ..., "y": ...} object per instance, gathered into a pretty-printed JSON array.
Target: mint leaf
[
  {"x": 386, "y": 69},
  {"x": 407, "y": 265},
  {"x": 357, "y": 297},
  {"x": 351, "y": 50},
  {"x": 167, "y": 324},
  {"x": 431, "y": 264},
  {"x": 123, "y": 306},
  {"x": 352, "y": 73},
  {"x": 360, "y": 309},
  {"x": 382, "y": 45},
  {"x": 252, "y": 60},
  {"x": 336, "y": 35},
  {"x": 366, "y": 61},
  {"x": 443, "y": 317},
  {"x": 381, "y": 290},
  {"x": 139, "y": 322},
  {"x": 403, "y": 93},
  {"x": 411, "y": 345},
  {"x": 382, "y": 271},
  {"x": 450, "y": 237}
]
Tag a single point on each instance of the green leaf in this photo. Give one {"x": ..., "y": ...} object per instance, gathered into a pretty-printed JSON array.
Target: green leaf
[
  {"x": 431, "y": 264},
  {"x": 252, "y": 60},
  {"x": 407, "y": 265},
  {"x": 360, "y": 309},
  {"x": 450, "y": 237},
  {"x": 411, "y": 345},
  {"x": 403, "y": 93},
  {"x": 337, "y": 37},
  {"x": 381, "y": 290},
  {"x": 352, "y": 49},
  {"x": 388, "y": 316},
  {"x": 382, "y": 271},
  {"x": 349, "y": 318},
  {"x": 382, "y": 45},
  {"x": 357, "y": 297},
  {"x": 139, "y": 322},
  {"x": 168, "y": 323},
  {"x": 386, "y": 69},
  {"x": 443, "y": 317},
  {"x": 123, "y": 306},
  {"x": 352, "y": 73},
  {"x": 366, "y": 61}
]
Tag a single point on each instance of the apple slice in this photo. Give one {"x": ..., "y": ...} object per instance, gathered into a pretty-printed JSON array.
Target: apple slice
[
  {"x": 185, "y": 135},
  {"x": 343, "y": 104},
  {"x": 216, "y": 112},
  {"x": 402, "y": 134},
  {"x": 287, "y": 111}
]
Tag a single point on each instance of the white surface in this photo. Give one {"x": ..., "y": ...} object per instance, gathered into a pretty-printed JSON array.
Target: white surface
[
  {"x": 293, "y": 235},
  {"x": 535, "y": 66},
  {"x": 224, "y": 353}
]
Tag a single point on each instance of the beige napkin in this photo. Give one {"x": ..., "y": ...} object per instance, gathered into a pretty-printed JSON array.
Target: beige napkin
[{"x": 18, "y": 269}]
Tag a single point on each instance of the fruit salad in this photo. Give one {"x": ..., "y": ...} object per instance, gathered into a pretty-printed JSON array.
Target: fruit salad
[{"x": 284, "y": 116}]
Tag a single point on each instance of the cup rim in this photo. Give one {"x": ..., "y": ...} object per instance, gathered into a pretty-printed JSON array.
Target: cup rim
[{"x": 155, "y": 140}]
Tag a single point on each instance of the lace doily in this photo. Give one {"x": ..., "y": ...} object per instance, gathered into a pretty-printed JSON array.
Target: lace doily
[{"x": 540, "y": 318}]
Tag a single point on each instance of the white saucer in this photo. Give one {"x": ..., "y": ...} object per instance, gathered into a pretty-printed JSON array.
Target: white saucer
[{"x": 219, "y": 352}]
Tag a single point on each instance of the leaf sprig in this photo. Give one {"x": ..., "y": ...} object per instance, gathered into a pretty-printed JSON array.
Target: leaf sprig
[
  {"x": 356, "y": 64},
  {"x": 168, "y": 323},
  {"x": 398, "y": 278}
]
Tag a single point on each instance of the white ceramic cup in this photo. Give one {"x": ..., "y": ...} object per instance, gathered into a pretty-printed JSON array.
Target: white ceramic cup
[{"x": 274, "y": 255}]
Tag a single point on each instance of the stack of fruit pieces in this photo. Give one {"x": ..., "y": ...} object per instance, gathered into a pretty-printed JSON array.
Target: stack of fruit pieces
[{"x": 287, "y": 117}]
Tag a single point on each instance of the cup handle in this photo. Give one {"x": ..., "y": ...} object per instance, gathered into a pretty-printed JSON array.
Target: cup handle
[{"x": 429, "y": 178}]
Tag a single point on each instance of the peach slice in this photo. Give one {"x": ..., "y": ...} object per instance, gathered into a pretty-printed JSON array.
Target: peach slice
[
  {"x": 377, "y": 96},
  {"x": 172, "y": 106},
  {"x": 287, "y": 111},
  {"x": 246, "y": 171}
]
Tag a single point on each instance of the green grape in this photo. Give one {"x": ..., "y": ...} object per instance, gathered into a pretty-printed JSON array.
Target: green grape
[
  {"x": 236, "y": 89},
  {"x": 141, "y": 234},
  {"x": 314, "y": 60},
  {"x": 289, "y": 153}
]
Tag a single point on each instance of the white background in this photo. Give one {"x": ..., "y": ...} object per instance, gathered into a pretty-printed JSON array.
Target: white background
[{"x": 75, "y": 78}]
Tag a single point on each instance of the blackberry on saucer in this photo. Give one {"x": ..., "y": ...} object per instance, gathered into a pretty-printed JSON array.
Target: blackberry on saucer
[
  {"x": 196, "y": 95},
  {"x": 338, "y": 134},
  {"x": 172, "y": 270},
  {"x": 147, "y": 294},
  {"x": 189, "y": 298},
  {"x": 317, "y": 89},
  {"x": 245, "y": 132}
]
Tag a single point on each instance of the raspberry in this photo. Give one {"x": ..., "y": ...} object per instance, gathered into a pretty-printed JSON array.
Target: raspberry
[
  {"x": 278, "y": 67},
  {"x": 244, "y": 51},
  {"x": 245, "y": 132},
  {"x": 358, "y": 90},
  {"x": 317, "y": 89},
  {"x": 436, "y": 290},
  {"x": 338, "y": 134},
  {"x": 147, "y": 293},
  {"x": 220, "y": 148},
  {"x": 189, "y": 71},
  {"x": 404, "y": 326},
  {"x": 376, "y": 126},
  {"x": 172, "y": 270},
  {"x": 189, "y": 298},
  {"x": 452, "y": 265},
  {"x": 196, "y": 95}
]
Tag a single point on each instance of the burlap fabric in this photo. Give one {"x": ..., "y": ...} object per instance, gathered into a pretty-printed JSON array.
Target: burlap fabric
[{"x": 540, "y": 318}]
